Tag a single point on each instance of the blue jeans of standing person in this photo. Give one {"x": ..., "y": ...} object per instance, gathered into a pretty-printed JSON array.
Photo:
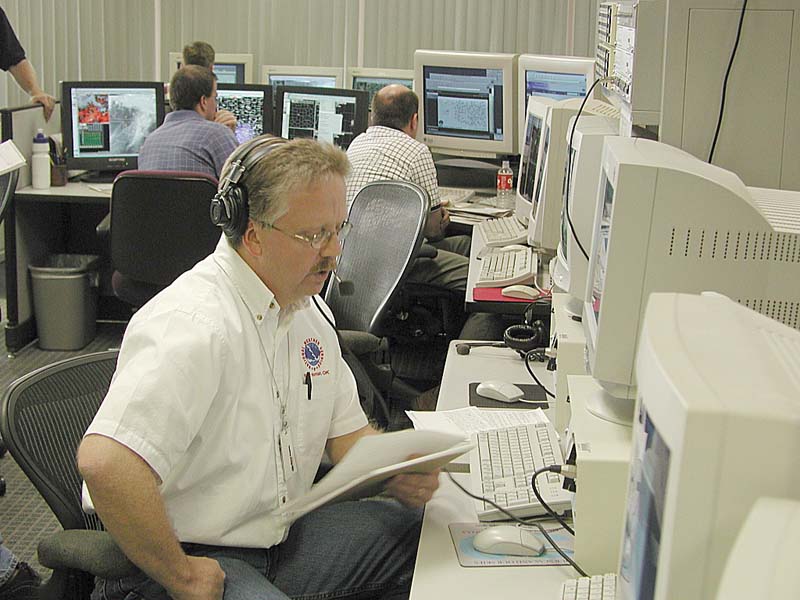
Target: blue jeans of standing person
[
  {"x": 358, "y": 549},
  {"x": 7, "y": 562}
]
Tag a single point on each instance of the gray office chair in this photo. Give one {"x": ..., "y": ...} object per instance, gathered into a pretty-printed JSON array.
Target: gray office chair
[{"x": 43, "y": 418}]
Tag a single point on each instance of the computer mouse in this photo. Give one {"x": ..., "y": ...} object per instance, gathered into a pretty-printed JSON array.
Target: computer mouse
[
  {"x": 512, "y": 247},
  {"x": 525, "y": 292},
  {"x": 501, "y": 391},
  {"x": 508, "y": 539}
]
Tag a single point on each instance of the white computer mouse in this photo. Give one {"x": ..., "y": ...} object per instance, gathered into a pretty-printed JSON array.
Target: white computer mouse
[
  {"x": 511, "y": 247},
  {"x": 508, "y": 539},
  {"x": 525, "y": 292},
  {"x": 501, "y": 391}
]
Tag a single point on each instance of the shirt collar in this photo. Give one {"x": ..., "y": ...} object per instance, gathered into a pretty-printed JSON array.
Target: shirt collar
[
  {"x": 183, "y": 114},
  {"x": 255, "y": 294},
  {"x": 382, "y": 131}
]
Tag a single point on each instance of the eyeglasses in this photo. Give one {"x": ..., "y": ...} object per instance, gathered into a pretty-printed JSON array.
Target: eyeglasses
[{"x": 319, "y": 239}]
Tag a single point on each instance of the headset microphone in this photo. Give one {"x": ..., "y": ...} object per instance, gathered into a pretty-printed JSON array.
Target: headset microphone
[
  {"x": 463, "y": 349},
  {"x": 346, "y": 288}
]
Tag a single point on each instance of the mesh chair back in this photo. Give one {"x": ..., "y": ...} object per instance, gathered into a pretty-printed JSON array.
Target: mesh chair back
[
  {"x": 8, "y": 184},
  {"x": 160, "y": 224},
  {"x": 388, "y": 220},
  {"x": 43, "y": 418}
]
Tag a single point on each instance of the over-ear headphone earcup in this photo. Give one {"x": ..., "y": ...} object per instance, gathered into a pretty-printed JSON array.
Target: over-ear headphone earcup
[
  {"x": 229, "y": 210},
  {"x": 524, "y": 338}
]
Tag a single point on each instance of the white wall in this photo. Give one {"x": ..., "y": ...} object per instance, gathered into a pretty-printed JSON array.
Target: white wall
[{"x": 131, "y": 39}]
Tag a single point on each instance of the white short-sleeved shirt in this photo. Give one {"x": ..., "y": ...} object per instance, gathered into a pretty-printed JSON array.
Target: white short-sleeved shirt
[
  {"x": 194, "y": 397},
  {"x": 385, "y": 153}
]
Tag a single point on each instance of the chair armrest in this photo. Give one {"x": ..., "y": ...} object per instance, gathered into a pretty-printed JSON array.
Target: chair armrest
[
  {"x": 94, "y": 552},
  {"x": 426, "y": 251},
  {"x": 361, "y": 342},
  {"x": 103, "y": 229}
]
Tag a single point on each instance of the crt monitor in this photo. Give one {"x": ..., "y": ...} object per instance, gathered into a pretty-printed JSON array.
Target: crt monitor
[
  {"x": 372, "y": 80},
  {"x": 717, "y": 426},
  {"x": 466, "y": 102},
  {"x": 251, "y": 104},
  {"x": 302, "y": 76},
  {"x": 583, "y": 164},
  {"x": 668, "y": 221},
  {"x": 228, "y": 67},
  {"x": 545, "y": 207},
  {"x": 325, "y": 114},
  {"x": 104, "y": 123},
  {"x": 554, "y": 77}
]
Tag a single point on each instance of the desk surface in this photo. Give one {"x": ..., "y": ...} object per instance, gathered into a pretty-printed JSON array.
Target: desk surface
[
  {"x": 437, "y": 573},
  {"x": 77, "y": 192}
]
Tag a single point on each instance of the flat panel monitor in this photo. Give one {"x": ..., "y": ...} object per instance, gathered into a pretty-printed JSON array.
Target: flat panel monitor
[
  {"x": 579, "y": 198},
  {"x": 529, "y": 155},
  {"x": 668, "y": 221},
  {"x": 228, "y": 67},
  {"x": 467, "y": 103},
  {"x": 706, "y": 442},
  {"x": 372, "y": 80},
  {"x": 554, "y": 77},
  {"x": 104, "y": 123},
  {"x": 543, "y": 226},
  {"x": 302, "y": 76},
  {"x": 251, "y": 104},
  {"x": 325, "y": 114}
]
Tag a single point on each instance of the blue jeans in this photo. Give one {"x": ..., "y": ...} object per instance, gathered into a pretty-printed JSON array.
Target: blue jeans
[
  {"x": 7, "y": 562},
  {"x": 360, "y": 549}
]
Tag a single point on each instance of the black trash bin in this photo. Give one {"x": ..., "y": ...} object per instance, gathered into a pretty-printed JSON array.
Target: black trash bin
[{"x": 65, "y": 300}]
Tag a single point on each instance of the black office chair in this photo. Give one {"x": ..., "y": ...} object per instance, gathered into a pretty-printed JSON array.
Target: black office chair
[
  {"x": 159, "y": 229},
  {"x": 43, "y": 418}
]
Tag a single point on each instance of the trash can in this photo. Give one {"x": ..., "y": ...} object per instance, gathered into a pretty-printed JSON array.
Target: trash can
[{"x": 65, "y": 300}]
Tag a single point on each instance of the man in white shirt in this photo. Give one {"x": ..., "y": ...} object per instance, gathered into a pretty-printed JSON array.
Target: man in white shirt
[{"x": 230, "y": 385}]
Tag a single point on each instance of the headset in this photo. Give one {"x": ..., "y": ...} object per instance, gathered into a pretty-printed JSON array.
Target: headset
[{"x": 229, "y": 207}]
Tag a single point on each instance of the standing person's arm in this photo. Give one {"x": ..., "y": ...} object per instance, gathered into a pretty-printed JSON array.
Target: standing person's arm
[
  {"x": 124, "y": 491},
  {"x": 25, "y": 75}
]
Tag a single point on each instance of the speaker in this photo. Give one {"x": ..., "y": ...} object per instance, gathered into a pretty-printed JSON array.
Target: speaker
[{"x": 229, "y": 208}]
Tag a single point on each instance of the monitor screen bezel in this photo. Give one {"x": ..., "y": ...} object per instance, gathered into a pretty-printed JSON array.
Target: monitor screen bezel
[
  {"x": 361, "y": 97},
  {"x": 303, "y": 70},
  {"x": 223, "y": 58},
  {"x": 394, "y": 75},
  {"x": 102, "y": 163},
  {"x": 267, "y": 114}
]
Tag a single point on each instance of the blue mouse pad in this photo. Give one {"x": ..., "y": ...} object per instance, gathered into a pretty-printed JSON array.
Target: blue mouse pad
[{"x": 534, "y": 394}]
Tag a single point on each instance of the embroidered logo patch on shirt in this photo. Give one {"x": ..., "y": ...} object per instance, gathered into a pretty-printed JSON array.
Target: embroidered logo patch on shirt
[{"x": 313, "y": 354}]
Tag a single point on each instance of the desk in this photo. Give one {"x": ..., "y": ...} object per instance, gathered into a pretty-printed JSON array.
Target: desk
[
  {"x": 437, "y": 573},
  {"x": 39, "y": 222},
  {"x": 505, "y": 308}
]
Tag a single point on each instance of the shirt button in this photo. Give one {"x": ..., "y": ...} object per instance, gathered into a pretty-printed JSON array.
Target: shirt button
[
  {"x": 272, "y": 304},
  {"x": 259, "y": 317}
]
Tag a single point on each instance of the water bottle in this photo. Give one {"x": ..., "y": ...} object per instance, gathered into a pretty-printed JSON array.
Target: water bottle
[
  {"x": 40, "y": 162},
  {"x": 505, "y": 187}
]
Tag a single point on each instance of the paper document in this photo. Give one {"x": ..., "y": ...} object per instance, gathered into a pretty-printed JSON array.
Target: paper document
[
  {"x": 470, "y": 420},
  {"x": 10, "y": 157},
  {"x": 372, "y": 460}
]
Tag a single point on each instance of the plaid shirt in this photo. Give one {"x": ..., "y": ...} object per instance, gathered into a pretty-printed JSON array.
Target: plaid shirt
[
  {"x": 187, "y": 142},
  {"x": 386, "y": 153}
]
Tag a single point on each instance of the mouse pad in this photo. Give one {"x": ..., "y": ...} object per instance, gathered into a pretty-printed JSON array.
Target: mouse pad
[
  {"x": 462, "y": 534},
  {"x": 529, "y": 392}
]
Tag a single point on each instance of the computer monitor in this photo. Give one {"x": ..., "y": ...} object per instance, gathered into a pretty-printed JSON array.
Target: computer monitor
[
  {"x": 571, "y": 265},
  {"x": 667, "y": 221},
  {"x": 467, "y": 102},
  {"x": 104, "y": 123},
  {"x": 325, "y": 114},
  {"x": 717, "y": 426},
  {"x": 371, "y": 80},
  {"x": 228, "y": 67},
  {"x": 251, "y": 105},
  {"x": 536, "y": 114},
  {"x": 543, "y": 225},
  {"x": 300, "y": 76},
  {"x": 555, "y": 77}
]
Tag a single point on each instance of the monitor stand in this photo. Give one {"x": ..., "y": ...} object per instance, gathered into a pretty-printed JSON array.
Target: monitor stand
[{"x": 99, "y": 176}]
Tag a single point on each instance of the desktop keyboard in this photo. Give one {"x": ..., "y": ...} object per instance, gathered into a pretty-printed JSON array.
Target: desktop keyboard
[
  {"x": 596, "y": 587},
  {"x": 451, "y": 196},
  {"x": 503, "y": 231},
  {"x": 503, "y": 463},
  {"x": 500, "y": 267}
]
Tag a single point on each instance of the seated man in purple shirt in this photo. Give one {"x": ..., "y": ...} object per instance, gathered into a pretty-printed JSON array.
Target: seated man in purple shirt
[{"x": 189, "y": 139}]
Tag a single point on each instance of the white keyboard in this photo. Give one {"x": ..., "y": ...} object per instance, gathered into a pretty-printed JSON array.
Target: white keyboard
[
  {"x": 501, "y": 467},
  {"x": 451, "y": 196},
  {"x": 502, "y": 231},
  {"x": 597, "y": 587},
  {"x": 500, "y": 267}
]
